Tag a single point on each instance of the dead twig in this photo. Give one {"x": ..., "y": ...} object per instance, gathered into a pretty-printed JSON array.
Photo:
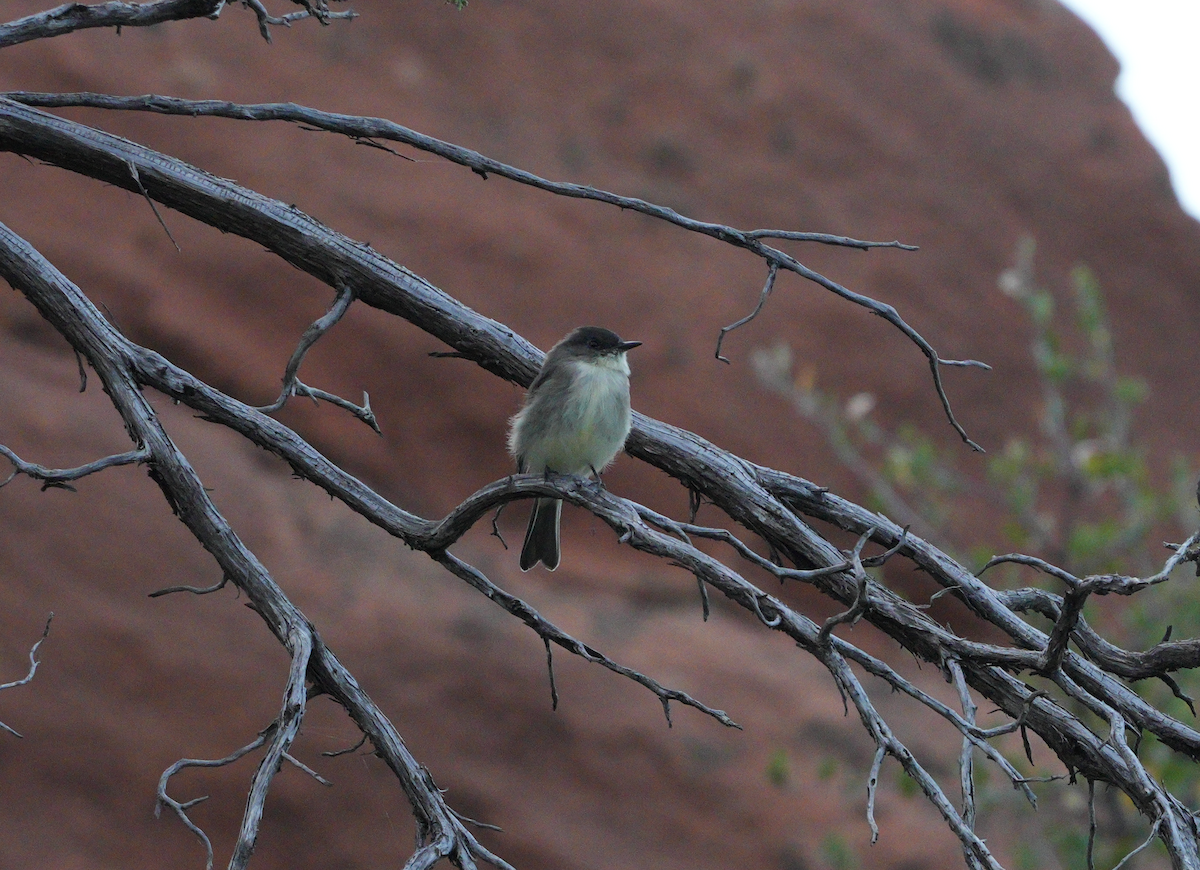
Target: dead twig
[
  {"x": 34, "y": 661},
  {"x": 357, "y": 128},
  {"x": 57, "y": 478},
  {"x": 772, "y": 271},
  {"x": 293, "y": 386}
]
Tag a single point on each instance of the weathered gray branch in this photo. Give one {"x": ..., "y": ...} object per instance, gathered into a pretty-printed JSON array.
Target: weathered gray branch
[
  {"x": 33, "y": 666},
  {"x": 771, "y": 504},
  {"x": 1163, "y": 658},
  {"x": 70, "y": 17},
  {"x": 282, "y": 734},
  {"x": 369, "y": 129},
  {"x": 293, "y": 386},
  {"x": 59, "y": 477},
  {"x": 316, "y": 8},
  {"x": 61, "y": 303}
]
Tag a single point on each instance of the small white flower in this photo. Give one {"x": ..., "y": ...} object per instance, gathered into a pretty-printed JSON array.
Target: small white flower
[{"x": 859, "y": 406}]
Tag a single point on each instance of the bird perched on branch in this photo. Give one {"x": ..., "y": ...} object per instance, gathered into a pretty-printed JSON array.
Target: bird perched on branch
[{"x": 575, "y": 420}]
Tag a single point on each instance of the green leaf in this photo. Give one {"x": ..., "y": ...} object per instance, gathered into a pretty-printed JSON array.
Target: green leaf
[{"x": 779, "y": 769}]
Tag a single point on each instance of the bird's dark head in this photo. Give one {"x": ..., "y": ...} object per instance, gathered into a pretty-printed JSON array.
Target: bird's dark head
[{"x": 594, "y": 341}]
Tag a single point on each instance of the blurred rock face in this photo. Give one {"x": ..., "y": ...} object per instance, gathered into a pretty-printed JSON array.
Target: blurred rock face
[{"x": 955, "y": 126}]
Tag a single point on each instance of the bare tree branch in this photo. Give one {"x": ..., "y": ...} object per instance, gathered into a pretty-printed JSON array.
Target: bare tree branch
[
  {"x": 1070, "y": 607},
  {"x": 58, "y": 477},
  {"x": 138, "y": 181},
  {"x": 759, "y": 498},
  {"x": 33, "y": 666},
  {"x": 887, "y": 743},
  {"x": 442, "y": 834},
  {"x": 281, "y": 735},
  {"x": 50, "y": 290},
  {"x": 1091, "y": 843},
  {"x": 360, "y": 128},
  {"x": 1162, "y": 659},
  {"x": 316, "y": 8},
  {"x": 293, "y": 386},
  {"x": 776, "y": 507},
  {"x": 981, "y": 599},
  {"x": 335, "y": 753},
  {"x": 966, "y": 762},
  {"x": 180, "y": 808},
  {"x": 968, "y": 729},
  {"x": 550, "y": 633},
  {"x": 70, "y": 17},
  {"x": 772, "y": 271}
]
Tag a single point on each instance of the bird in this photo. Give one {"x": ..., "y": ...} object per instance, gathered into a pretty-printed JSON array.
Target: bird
[{"x": 574, "y": 420}]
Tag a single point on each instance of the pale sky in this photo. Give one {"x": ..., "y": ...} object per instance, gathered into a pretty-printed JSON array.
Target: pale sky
[{"x": 1158, "y": 45}]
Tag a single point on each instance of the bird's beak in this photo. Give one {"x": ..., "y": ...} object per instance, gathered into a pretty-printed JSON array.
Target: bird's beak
[{"x": 627, "y": 345}]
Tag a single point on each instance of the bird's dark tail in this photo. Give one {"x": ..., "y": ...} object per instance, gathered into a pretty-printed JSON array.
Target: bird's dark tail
[{"x": 541, "y": 538}]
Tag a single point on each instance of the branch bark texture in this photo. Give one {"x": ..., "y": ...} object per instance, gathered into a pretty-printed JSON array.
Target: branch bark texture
[
  {"x": 1084, "y": 685},
  {"x": 70, "y": 17}
]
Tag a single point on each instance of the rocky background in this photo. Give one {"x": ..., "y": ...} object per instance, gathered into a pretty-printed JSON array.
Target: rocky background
[{"x": 956, "y": 125}]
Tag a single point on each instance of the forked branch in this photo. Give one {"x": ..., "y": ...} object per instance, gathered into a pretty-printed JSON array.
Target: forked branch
[
  {"x": 70, "y": 17},
  {"x": 293, "y": 386},
  {"x": 60, "y": 477},
  {"x": 366, "y": 129},
  {"x": 33, "y": 666},
  {"x": 83, "y": 326},
  {"x": 776, "y": 507}
]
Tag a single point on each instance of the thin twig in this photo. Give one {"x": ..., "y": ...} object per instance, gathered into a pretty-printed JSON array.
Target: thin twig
[
  {"x": 341, "y": 304},
  {"x": 293, "y": 386},
  {"x": 300, "y": 765},
  {"x": 772, "y": 271},
  {"x": 195, "y": 590},
  {"x": 1033, "y": 561},
  {"x": 550, "y": 671},
  {"x": 1016, "y": 724},
  {"x": 827, "y": 239},
  {"x": 33, "y": 666},
  {"x": 966, "y": 762},
  {"x": 281, "y": 734},
  {"x": 266, "y": 19},
  {"x": 336, "y": 752},
  {"x": 683, "y": 530},
  {"x": 180, "y": 808},
  {"x": 1091, "y": 840},
  {"x": 137, "y": 179},
  {"x": 872, "y": 786},
  {"x": 77, "y": 16},
  {"x": 58, "y": 477},
  {"x": 1149, "y": 839},
  {"x": 82, "y": 371},
  {"x": 476, "y": 823},
  {"x": 33, "y": 659},
  {"x": 859, "y": 607}
]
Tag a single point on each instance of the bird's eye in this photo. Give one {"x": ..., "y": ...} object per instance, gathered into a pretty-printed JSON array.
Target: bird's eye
[{"x": 594, "y": 343}]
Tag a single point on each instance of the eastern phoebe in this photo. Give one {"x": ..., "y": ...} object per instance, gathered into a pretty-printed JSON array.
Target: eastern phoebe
[{"x": 575, "y": 420}]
